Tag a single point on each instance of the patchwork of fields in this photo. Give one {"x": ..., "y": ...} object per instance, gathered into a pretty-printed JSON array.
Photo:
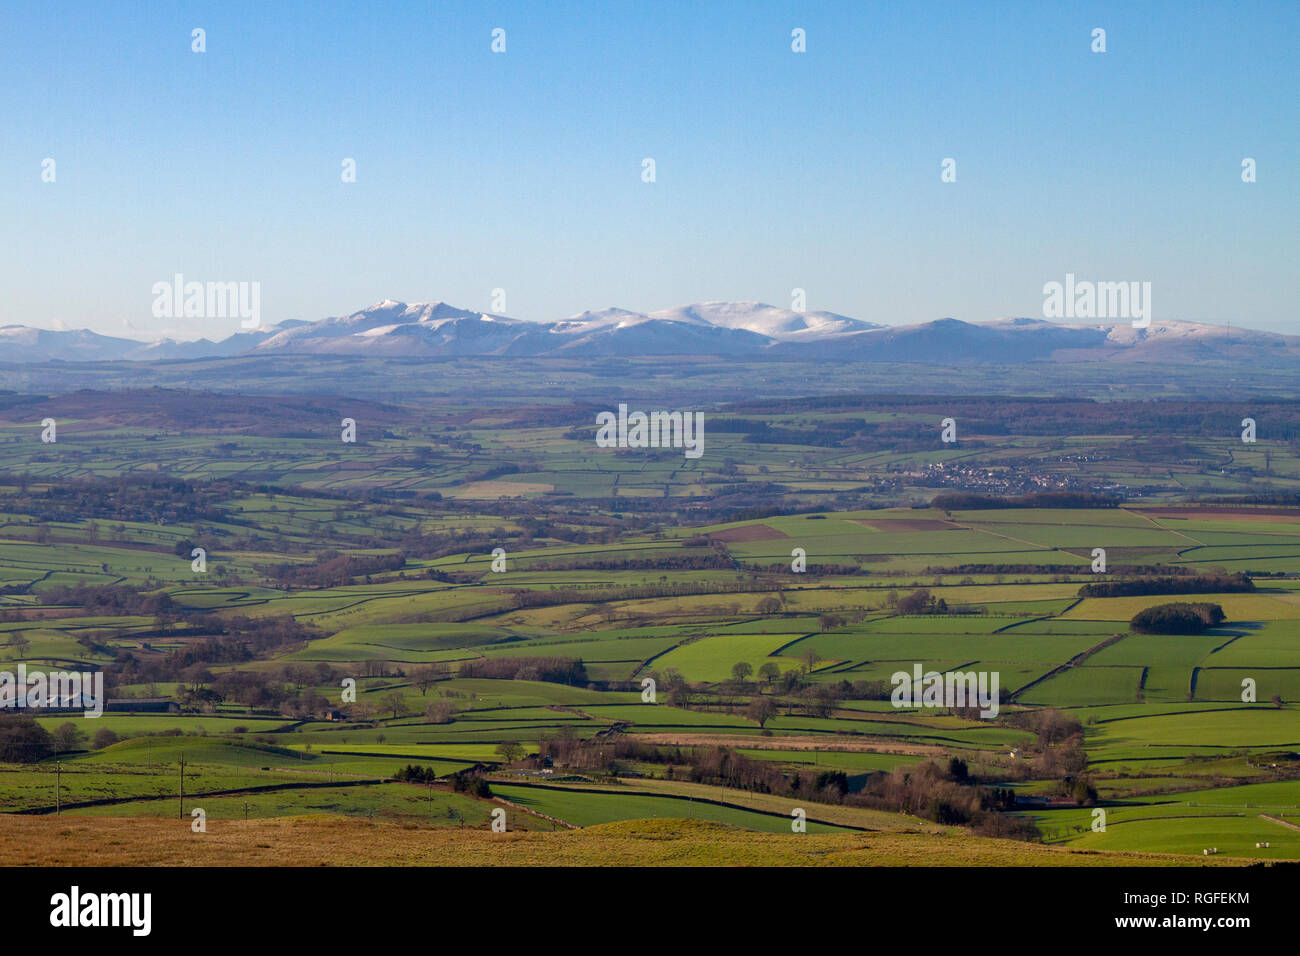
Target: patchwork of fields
[{"x": 454, "y": 665}]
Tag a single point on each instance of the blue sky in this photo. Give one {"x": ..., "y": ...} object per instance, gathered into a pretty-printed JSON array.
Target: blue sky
[{"x": 522, "y": 170}]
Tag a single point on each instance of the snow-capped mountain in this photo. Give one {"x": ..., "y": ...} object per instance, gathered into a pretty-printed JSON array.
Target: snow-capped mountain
[
  {"x": 395, "y": 328},
  {"x": 439, "y": 329},
  {"x": 740, "y": 329},
  {"x": 782, "y": 325}
]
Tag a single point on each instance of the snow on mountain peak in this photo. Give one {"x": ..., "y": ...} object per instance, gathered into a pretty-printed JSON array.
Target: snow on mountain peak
[{"x": 712, "y": 328}]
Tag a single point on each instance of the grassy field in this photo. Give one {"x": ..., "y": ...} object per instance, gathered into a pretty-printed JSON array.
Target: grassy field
[
  {"x": 330, "y": 841},
  {"x": 352, "y": 620}
]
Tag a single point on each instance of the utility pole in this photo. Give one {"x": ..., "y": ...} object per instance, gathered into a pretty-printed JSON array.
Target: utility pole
[
  {"x": 58, "y": 773},
  {"x": 182, "y": 813}
]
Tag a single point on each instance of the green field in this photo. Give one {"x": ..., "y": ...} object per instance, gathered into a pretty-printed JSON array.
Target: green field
[{"x": 632, "y": 658}]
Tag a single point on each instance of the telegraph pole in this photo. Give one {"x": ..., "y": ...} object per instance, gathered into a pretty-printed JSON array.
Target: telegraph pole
[
  {"x": 182, "y": 814},
  {"x": 58, "y": 773}
]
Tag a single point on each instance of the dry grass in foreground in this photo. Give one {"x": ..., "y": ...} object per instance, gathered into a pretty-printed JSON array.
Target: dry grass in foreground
[{"x": 339, "y": 841}]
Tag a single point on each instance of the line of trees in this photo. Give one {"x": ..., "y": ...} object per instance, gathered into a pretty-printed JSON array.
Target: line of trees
[
  {"x": 554, "y": 670},
  {"x": 332, "y": 569},
  {"x": 1193, "y": 584},
  {"x": 110, "y": 600}
]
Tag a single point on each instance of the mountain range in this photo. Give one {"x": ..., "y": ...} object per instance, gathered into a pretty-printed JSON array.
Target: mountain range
[{"x": 749, "y": 330}]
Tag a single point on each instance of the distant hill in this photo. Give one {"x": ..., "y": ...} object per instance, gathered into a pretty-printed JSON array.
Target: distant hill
[{"x": 747, "y": 330}]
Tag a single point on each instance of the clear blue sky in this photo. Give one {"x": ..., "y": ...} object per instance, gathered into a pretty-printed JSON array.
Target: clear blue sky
[{"x": 523, "y": 170}]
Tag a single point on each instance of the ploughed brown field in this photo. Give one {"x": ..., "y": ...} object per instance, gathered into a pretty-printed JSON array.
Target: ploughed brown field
[
  {"x": 336, "y": 841},
  {"x": 900, "y": 525}
]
